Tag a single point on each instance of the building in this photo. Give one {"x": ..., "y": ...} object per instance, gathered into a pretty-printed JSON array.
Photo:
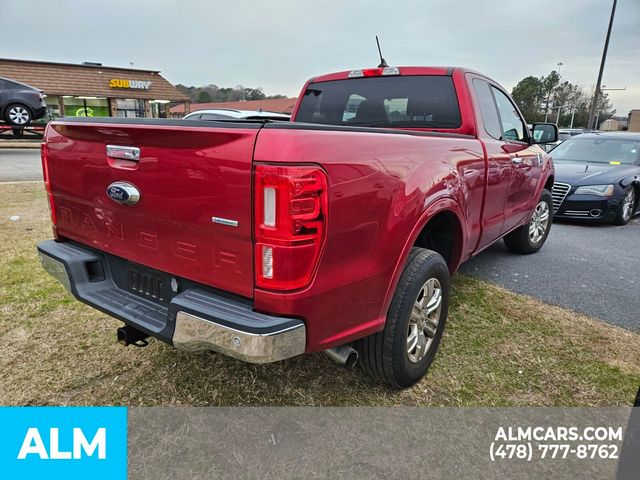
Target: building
[
  {"x": 278, "y": 105},
  {"x": 93, "y": 90},
  {"x": 633, "y": 123},
  {"x": 610, "y": 125}
]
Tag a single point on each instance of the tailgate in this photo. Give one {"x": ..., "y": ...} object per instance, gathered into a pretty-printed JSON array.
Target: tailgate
[{"x": 194, "y": 215}]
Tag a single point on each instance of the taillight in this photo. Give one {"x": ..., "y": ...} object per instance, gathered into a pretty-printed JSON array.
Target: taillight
[
  {"x": 47, "y": 184},
  {"x": 290, "y": 224}
]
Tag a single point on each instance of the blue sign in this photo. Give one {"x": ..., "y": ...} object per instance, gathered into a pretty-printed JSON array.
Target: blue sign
[{"x": 63, "y": 443}]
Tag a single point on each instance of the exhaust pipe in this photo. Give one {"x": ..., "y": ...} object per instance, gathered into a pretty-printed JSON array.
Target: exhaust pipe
[
  {"x": 128, "y": 335},
  {"x": 343, "y": 355}
]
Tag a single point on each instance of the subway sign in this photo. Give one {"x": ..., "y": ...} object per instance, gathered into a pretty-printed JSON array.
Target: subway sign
[{"x": 125, "y": 83}]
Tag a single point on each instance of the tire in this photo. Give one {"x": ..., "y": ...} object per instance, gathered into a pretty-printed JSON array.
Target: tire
[
  {"x": 627, "y": 207},
  {"x": 18, "y": 114},
  {"x": 387, "y": 355},
  {"x": 530, "y": 238}
]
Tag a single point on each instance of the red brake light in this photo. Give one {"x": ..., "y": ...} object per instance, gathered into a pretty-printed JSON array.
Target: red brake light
[
  {"x": 47, "y": 185},
  {"x": 290, "y": 223},
  {"x": 372, "y": 72}
]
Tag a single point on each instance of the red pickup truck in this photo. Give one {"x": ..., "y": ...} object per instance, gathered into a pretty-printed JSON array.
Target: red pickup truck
[{"x": 334, "y": 232}]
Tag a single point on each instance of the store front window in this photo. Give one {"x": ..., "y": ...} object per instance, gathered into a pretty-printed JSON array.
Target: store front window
[
  {"x": 53, "y": 109},
  {"x": 85, "y": 106},
  {"x": 129, "y": 107},
  {"x": 159, "y": 108}
]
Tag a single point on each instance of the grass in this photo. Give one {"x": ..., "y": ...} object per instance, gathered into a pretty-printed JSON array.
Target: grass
[{"x": 499, "y": 349}]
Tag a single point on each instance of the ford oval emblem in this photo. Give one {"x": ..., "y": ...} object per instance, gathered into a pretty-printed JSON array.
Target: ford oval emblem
[{"x": 123, "y": 193}]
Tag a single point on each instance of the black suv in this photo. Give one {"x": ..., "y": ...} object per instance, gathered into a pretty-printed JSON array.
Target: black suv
[{"x": 20, "y": 103}]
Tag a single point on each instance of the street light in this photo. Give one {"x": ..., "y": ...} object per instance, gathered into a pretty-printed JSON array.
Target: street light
[
  {"x": 560, "y": 107},
  {"x": 546, "y": 113}
]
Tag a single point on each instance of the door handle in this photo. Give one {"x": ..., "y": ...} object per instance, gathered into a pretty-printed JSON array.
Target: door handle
[
  {"x": 516, "y": 160},
  {"x": 123, "y": 152}
]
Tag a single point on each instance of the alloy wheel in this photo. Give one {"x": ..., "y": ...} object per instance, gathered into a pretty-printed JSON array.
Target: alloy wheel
[
  {"x": 18, "y": 115},
  {"x": 425, "y": 317},
  {"x": 539, "y": 222},
  {"x": 628, "y": 203}
]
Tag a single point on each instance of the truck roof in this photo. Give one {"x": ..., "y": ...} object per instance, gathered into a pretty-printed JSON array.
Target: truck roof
[{"x": 405, "y": 70}]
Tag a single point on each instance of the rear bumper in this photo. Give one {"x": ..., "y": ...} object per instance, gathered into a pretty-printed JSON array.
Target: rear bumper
[
  {"x": 192, "y": 318},
  {"x": 39, "y": 112}
]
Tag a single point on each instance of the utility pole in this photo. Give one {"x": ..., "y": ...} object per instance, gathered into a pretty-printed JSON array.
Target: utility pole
[{"x": 596, "y": 94}]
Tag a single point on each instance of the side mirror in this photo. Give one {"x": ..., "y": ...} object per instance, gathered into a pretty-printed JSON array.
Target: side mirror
[{"x": 542, "y": 133}]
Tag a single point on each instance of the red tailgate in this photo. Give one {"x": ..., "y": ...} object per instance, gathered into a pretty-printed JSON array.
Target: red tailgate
[{"x": 186, "y": 176}]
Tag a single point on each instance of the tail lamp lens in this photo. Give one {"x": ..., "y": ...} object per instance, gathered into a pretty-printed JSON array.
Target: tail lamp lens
[
  {"x": 290, "y": 224},
  {"x": 47, "y": 183}
]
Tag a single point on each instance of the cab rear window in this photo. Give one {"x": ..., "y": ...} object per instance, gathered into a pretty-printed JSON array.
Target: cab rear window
[{"x": 395, "y": 102}]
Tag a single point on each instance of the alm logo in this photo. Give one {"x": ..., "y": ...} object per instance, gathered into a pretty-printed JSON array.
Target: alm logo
[{"x": 33, "y": 444}]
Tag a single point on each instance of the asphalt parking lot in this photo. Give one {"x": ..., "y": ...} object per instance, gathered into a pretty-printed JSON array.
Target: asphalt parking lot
[
  {"x": 593, "y": 269},
  {"x": 20, "y": 164}
]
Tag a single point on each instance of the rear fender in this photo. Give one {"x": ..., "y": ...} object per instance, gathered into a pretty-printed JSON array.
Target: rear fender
[{"x": 446, "y": 204}]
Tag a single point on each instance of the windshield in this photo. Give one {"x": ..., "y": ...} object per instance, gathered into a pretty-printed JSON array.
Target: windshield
[
  {"x": 407, "y": 101},
  {"x": 562, "y": 136},
  {"x": 598, "y": 150}
]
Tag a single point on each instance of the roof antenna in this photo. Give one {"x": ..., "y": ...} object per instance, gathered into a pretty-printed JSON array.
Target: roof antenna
[{"x": 383, "y": 62}]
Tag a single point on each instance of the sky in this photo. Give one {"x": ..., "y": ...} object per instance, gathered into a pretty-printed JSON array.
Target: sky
[{"x": 278, "y": 44}]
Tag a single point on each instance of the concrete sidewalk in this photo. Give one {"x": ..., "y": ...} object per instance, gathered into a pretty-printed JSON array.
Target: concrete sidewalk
[{"x": 19, "y": 143}]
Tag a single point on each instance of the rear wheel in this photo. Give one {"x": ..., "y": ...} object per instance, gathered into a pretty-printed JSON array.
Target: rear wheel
[
  {"x": 17, "y": 114},
  {"x": 626, "y": 208},
  {"x": 529, "y": 238},
  {"x": 402, "y": 353}
]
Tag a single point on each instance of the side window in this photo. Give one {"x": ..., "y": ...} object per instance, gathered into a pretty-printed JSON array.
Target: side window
[
  {"x": 487, "y": 108},
  {"x": 512, "y": 124}
]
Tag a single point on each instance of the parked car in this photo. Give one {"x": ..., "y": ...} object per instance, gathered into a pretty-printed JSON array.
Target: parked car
[
  {"x": 19, "y": 103},
  {"x": 598, "y": 177},
  {"x": 231, "y": 114},
  {"x": 268, "y": 240},
  {"x": 567, "y": 133},
  {"x": 563, "y": 134}
]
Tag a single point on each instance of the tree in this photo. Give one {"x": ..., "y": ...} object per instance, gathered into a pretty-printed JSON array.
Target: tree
[
  {"x": 203, "y": 96},
  {"x": 551, "y": 98},
  {"x": 549, "y": 85},
  {"x": 528, "y": 94},
  {"x": 214, "y": 93}
]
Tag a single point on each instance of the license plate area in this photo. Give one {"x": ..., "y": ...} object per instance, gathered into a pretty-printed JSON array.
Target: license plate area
[{"x": 148, "y": 283}]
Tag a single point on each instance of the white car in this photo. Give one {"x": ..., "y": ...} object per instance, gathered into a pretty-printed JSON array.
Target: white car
[{"x": 231, "y": 114}]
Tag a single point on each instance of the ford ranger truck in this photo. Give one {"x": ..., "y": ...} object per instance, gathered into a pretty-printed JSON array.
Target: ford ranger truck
[{"x": 334, "y": 232}]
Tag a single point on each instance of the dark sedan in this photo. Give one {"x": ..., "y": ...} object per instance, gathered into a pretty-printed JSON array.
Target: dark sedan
[
  {"x": 597, "y": 177},
  {"x": 20, "y": 103}
]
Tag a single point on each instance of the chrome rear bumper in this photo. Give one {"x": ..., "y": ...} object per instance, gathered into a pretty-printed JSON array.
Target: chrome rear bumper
[{"x": 193, "y": 333}]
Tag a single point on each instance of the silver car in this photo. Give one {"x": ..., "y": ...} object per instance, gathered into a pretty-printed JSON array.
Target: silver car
[{"x": 233, "y": 114}]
